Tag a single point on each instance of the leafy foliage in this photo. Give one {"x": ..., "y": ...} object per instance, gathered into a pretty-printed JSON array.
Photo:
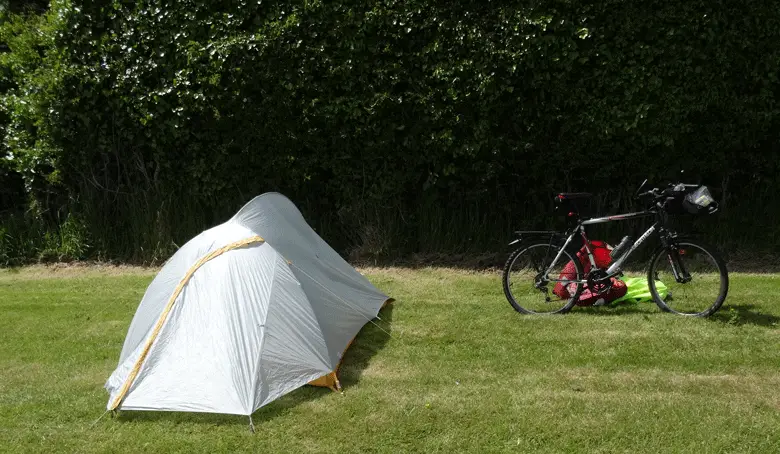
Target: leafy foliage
[{"x": 398, "y": 127}]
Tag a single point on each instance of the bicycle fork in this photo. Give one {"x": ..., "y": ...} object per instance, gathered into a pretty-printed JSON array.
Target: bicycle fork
[{"x": 679, "y": 271}]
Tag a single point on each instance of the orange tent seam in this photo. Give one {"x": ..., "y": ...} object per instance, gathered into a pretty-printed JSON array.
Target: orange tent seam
[{"x": 331, "y": 380}]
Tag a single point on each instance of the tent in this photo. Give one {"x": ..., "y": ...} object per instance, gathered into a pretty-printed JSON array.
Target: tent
[{"x": 242, "y": 314}]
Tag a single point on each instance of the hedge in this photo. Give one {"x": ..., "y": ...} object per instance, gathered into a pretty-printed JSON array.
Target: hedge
[{"x": 398, "y": 127}]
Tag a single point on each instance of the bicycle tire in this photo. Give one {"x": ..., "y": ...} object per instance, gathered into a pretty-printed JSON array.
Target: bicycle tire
[
  {"x": 506, "y": 277},
  {"x": 717, "y": 259}
]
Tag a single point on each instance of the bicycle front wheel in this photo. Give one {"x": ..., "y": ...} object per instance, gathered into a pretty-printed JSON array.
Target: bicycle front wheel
[
  {"x": 527, "y": 288},
  {"x": 694, "y": 282}
]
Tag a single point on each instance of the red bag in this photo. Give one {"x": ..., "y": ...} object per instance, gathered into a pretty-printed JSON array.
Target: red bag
[{"x": 602, "y": 257}]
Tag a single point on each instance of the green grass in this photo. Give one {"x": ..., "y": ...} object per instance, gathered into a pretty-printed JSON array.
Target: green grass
[{"x": 460, "y": 371}]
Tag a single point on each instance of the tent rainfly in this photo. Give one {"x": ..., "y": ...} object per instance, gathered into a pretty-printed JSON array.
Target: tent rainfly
[{"x": 242, "y": 314}]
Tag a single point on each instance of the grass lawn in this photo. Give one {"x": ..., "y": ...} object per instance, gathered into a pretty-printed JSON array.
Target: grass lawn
[{"x": 460, "y": 371}]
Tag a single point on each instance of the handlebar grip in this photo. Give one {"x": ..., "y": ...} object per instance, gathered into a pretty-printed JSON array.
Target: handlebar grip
[{"x": 651, "y": 193}]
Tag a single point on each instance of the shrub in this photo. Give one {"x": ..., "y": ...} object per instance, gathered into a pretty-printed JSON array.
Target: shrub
[{"x": 439, "y": 126}]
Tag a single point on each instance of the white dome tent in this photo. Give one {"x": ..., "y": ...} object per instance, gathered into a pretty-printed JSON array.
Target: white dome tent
[{"x": 242, "y": 314}]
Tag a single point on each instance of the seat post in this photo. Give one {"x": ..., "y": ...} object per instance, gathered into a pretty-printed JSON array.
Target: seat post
[{"x": 568, "y": 202}]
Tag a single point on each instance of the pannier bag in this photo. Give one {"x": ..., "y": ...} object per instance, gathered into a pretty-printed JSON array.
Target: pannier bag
[{"x": 602, "y": 257}]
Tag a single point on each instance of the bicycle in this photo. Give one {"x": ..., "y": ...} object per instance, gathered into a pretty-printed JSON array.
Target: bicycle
[{"x": 693, "y": 273}]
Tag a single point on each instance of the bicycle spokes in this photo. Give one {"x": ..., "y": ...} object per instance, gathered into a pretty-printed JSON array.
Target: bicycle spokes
[
  {"x": 692, "y": 279},
  {"x": 532, "y": 287}
]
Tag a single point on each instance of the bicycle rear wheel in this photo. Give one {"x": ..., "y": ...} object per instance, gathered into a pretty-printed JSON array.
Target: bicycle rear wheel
[
  {"x": 528, "y": 292},
  {"x": 695, "y": 285}
]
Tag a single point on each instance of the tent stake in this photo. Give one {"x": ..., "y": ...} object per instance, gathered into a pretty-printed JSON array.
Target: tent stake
[{"x": 251, "y": 424}]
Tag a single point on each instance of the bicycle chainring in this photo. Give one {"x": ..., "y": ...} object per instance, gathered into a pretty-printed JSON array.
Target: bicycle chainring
[{"x": 598, "y": 283}]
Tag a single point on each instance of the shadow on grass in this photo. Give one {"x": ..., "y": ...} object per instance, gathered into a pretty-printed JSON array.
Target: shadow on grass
[
  {"x": 744, "y": 314},
  {"x": 641, "y": 308},
  {"x": 369, "y": 341},
  {"x": 740, "y": 314}
]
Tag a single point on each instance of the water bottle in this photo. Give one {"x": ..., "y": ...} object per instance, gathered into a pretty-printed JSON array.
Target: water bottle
[{"x": 625, "y": 243}]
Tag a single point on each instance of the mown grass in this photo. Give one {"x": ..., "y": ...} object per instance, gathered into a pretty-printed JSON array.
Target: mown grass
[{"x": 452, "y": 369}]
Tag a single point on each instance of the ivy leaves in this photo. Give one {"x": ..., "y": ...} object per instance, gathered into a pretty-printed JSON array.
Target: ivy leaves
[{"x": 381, "y": 103}]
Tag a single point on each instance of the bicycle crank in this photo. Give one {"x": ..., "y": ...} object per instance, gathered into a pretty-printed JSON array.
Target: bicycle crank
[{"x": 599, "y": 282}]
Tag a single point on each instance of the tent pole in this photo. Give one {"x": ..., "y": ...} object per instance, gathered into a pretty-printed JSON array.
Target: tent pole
[{"x": 251, "y": 424}]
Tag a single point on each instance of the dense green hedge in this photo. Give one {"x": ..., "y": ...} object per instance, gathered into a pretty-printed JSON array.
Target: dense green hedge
[{"x": 397, "y": 126}]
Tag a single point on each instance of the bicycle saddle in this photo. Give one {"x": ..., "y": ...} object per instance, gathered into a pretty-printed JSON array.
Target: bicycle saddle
[{"x": 573, "y": 195}]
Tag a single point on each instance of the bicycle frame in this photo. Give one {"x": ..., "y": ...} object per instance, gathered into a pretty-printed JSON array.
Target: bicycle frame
[{"x": 615, "y": 267}]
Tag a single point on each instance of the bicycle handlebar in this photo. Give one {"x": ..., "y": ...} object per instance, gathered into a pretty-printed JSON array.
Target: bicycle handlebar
[
  {"x": 654, "y": 193},
  {"x": 661, "y": 198},
  {"x": 657, "y": 193}
]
